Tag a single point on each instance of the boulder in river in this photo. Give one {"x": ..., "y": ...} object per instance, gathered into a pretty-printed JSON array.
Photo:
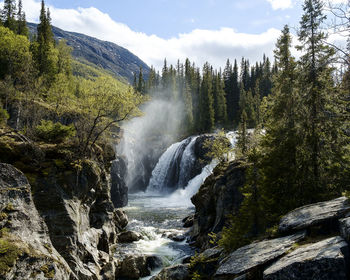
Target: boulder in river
[
  {"x": 129, "y": 236},
  {"x": 256, "y": 254},
  {"x": 324, "y": 260},
  {"x": 176, "y": 272},
  {"x": 315, "y": 214},
  {"x": 136, "y": 266}
]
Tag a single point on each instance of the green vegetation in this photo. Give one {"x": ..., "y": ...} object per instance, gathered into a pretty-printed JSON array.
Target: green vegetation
[
  {"x": 10, "y": 251},
  {"x": 47, "y": 101},
  {"x": 54, "y": 132},
  {"x": 302, "y": 156},
  {"x": 213, "y": 99}
]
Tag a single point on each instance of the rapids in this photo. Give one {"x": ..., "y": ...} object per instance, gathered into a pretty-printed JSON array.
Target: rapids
[{"x": 157, "y": 213}]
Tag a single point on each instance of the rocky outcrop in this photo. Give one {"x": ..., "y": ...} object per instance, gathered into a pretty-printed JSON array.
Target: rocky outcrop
[
  {"x": 134, "y": 267},
  {"x": 324, "y": 260},
  {"x": 77, "y": 208},
  {"x": 26, "y": 250},
  {"x": 119, "y": 190},
  {"x": 216, "y": 198},
  {"x": 344, "y": 227},
  {"x": 315, "y": 214},
  {"x": 176, "y": 272},
  {"x": 249, "y": 257}
]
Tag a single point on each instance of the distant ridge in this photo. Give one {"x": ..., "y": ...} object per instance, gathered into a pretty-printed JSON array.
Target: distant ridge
[{"x": 106, "y": 55}]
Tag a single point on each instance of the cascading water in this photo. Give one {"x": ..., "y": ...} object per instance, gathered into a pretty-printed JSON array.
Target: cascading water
[
  {"x": 158, "y": 212},
  {"x": 173, "y": 170}
]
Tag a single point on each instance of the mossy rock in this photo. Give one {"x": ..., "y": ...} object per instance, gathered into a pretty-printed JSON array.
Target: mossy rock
[{"x": 10, "y": 251}]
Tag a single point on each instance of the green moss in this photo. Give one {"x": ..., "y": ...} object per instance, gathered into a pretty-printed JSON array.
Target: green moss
[
  {"x": 48, "y": 270},
  {"x": 48, "y": 247},
  {"x": 3, "y": 216},
  {"x": 9, "y": 207},
  {"x": 10, "y": 251}
]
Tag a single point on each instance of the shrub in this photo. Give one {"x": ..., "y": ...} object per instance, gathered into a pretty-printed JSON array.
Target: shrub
[
  {"x": 4, "y": 116},
  {"x": 54, "y": 132}
]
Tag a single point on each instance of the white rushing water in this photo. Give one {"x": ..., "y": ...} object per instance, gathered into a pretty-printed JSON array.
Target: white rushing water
[{"x": 157, "y": 215}]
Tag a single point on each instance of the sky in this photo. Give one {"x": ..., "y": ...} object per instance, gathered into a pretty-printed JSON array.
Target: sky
[{"x": 202, "y": 30}]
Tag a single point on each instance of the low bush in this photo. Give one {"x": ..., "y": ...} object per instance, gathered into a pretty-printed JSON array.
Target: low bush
[{"x": 49, "y": 131}]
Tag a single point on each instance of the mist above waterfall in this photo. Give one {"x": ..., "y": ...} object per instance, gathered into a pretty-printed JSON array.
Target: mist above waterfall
[{"x": 145, "y": 138}]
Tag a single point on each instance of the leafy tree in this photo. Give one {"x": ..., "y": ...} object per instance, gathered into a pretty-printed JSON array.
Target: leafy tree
[
  {"x": 102, "y": 104},
  {"x": 15, "y": 57}
]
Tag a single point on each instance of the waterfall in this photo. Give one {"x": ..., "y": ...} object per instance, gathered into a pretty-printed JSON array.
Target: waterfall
[{"x": 171, "y": 171}]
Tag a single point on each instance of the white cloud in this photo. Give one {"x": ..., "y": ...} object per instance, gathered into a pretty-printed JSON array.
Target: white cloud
[
  {"x": 199, "y": 45},
  {"x": 281, "y": 4}
]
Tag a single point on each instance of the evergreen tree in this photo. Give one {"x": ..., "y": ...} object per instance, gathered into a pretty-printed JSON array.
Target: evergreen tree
[
  {"x": 235, "y": 95},
  {"x": 44, "y": 51},
  {"x": 219, "y": 100},
  {"x": 22, "y": 28},
  {"x": 206, "y": 100},
  {"x": 316, "y": 83},
  {"x": 141, "y": 82},
  {"x": 279, "y": 177},
  {"x": 9, "y": 15}
]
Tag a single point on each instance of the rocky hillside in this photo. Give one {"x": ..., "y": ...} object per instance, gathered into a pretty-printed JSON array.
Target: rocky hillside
[
  {"x": 57, "y": 218},
  {"x": 106, "y": 55}
]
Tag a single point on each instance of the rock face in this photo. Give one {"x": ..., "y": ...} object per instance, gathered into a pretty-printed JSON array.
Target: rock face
[
  {"x": 314, "y": 214},
  {"x": 82, "y": 221},
  {"x": 177, "y": 272},
  {"x": 344, "y": 227},
  {"x": 119, "y": 190},
  {"x": 216, "y": 198},
  {"x": 325, "y": 260},
  {"x": 25, "y": 245},
  {"x": 253, "y": 255}
]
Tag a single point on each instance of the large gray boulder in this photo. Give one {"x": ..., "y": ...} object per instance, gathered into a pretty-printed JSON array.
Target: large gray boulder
[
  {"x": 254, "y": 255},
  {"x": 324, "y": 260},
  {"x": 129, "y": 236},
  {"x": 136, "y": 266},
  {"x": 315, "y": 214},
  {"x": 176, "y": 272},
  {"x": 26, "y": 248}
]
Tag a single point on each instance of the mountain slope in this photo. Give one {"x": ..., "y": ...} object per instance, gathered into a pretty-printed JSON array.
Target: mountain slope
[{"x": 106, "y": 55}]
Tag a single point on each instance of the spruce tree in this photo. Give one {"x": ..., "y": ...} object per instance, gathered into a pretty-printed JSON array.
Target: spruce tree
[
  {"x": 279, "y": 178},
  {"x": 207, "y": 117},
  {"x": 316, "y": 83},
  {"x": 9, "y": 15},
  {"x": 22, "y": 28}
]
